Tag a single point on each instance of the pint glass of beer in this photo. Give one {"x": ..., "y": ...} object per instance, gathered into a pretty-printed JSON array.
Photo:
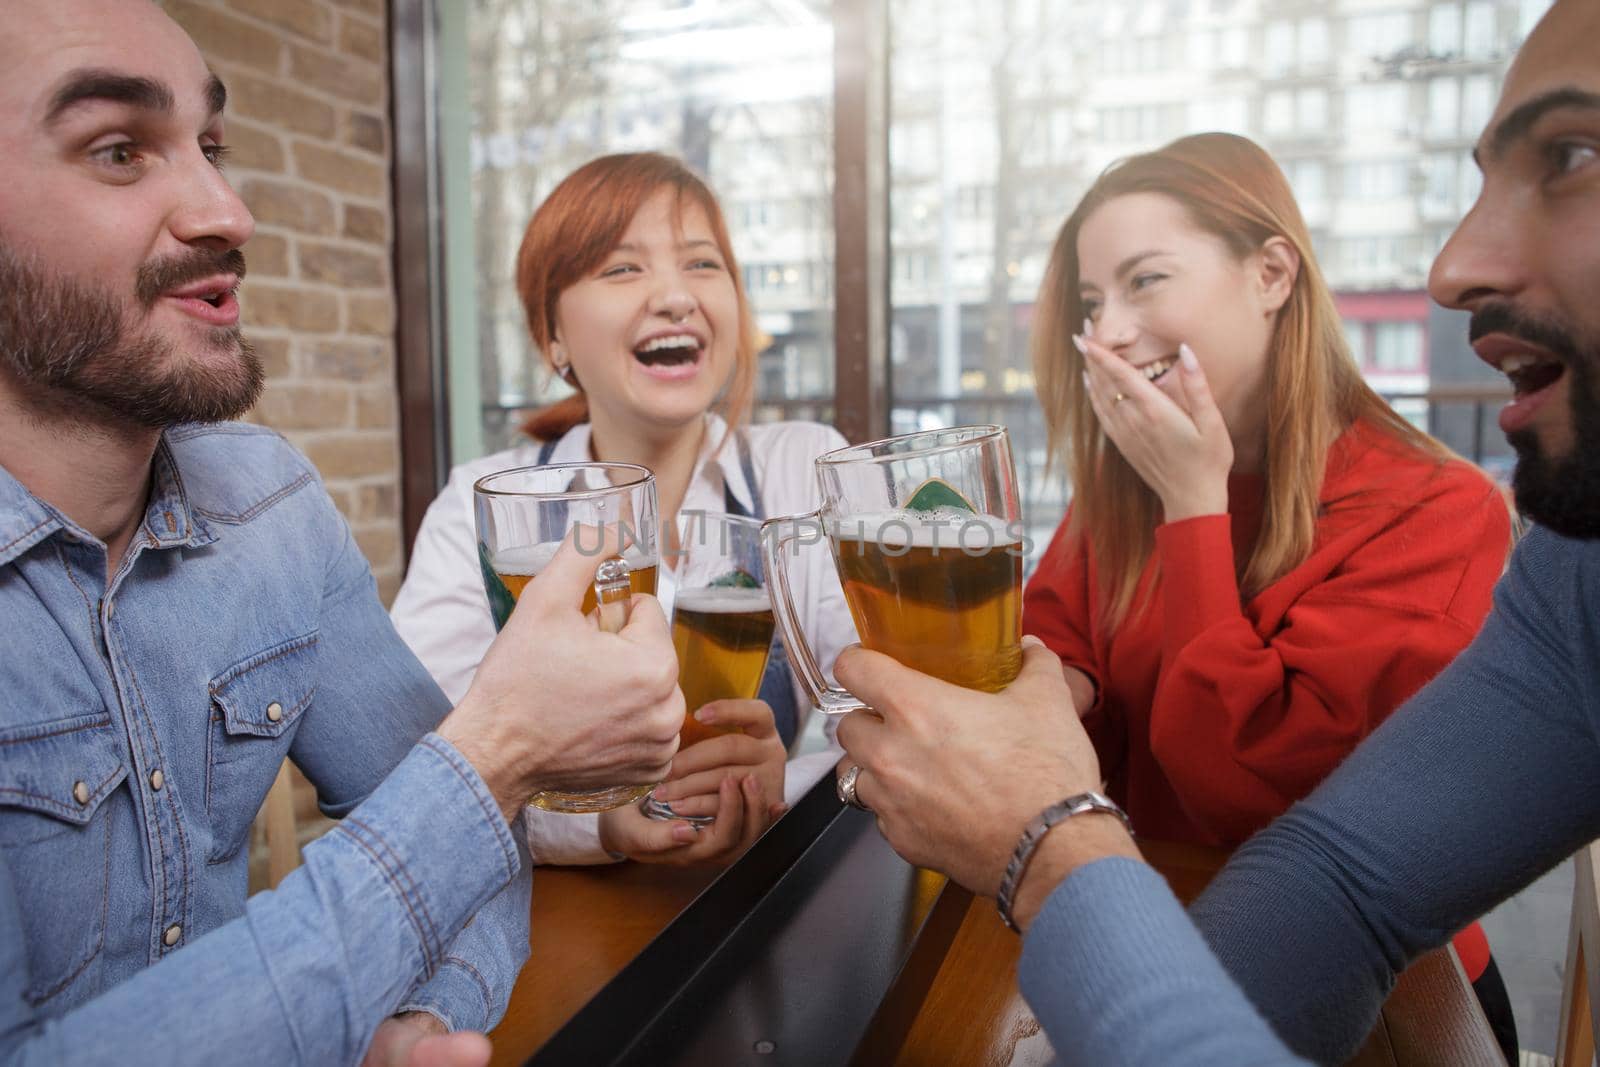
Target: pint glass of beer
[
  {"x": 722, "y": 624},
  {"x": 523, "y": 515},
  {"x": 926, "y": 531}
]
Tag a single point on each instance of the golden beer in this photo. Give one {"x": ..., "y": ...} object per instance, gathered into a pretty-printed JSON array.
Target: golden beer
[
  {"x": 938, "y": 597},
  {"x": 722, "y": 636},
  {"x": 515, "y": 568}
]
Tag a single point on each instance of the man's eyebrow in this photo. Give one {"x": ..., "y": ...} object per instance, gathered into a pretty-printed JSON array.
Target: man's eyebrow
[
  {"x": 1524, "y": 116},
  {"x": 82, "y": 86},
  {"x": 216, "y": 95}
]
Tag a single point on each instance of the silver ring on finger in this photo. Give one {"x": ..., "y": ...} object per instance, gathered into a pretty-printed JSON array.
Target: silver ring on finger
[{"x": 845, "y": 787}]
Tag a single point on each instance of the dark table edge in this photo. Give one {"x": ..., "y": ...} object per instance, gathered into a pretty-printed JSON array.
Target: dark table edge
[{"x": 641, "y": 995}]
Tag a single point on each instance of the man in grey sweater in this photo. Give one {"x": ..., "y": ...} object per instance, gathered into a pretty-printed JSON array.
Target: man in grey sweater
[{"x": 1485, "y": 779}]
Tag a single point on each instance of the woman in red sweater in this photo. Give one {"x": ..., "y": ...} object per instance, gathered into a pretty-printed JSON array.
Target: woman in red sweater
[{"x": 1262, "y": 560}]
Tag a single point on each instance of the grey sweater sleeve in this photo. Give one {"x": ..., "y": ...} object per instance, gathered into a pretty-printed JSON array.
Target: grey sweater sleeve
[
  {"x": 1487, "y": 778},
  {"x": 1484, "y": 780},
  {"x": 1116, "y": 973}
]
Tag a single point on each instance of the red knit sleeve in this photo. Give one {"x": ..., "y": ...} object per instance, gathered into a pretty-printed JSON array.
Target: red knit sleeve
[
  {"x": 1245, "y": 723},
  {"x": 1057, "y": 608}
]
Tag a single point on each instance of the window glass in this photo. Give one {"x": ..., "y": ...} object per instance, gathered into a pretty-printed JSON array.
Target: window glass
[
  {"x": 1480, "y": 42},
  {"x": 1377, "y": 106},
  {"x": 1397, "y": 347},
  {"x": 1477, "y": 101},
  {"x": 1440, "y": 186},
  {"x": 1355, "y": 335},
  {"x": 1379, "y": 34},
  {"x": 742, "y": 92},
  {"x": 1443, "y": 94},
  {"x": 1313, "y": 42},
  {"x": 1311, "y": 110},
  {"x": 1030, "y": 99},
  {"x": 1277, "y": 112},
  {"x": 1444, "y": 30},
  {"x": 1278, "y": 47}
]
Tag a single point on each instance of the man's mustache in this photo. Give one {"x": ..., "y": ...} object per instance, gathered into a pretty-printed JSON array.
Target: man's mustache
[
  {"x": 173, "y": 272},
  {"x": 1541, "y": 331}
]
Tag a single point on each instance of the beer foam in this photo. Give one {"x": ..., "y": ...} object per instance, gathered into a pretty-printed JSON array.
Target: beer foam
[
  {"x": 531, "y": 559},
  {"x": 939, "y": 528},
  {"x": 722, "y": 600}
]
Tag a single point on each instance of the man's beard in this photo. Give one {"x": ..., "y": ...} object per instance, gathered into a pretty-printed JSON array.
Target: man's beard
[
  {"x": 1561, "y": 494},
  {"x": 70, "y": 347}
]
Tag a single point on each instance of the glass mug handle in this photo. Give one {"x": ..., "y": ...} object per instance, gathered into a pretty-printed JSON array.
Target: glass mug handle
[
  {"x": 612, "y": 590},
  {"x": 775, "y": 539}
]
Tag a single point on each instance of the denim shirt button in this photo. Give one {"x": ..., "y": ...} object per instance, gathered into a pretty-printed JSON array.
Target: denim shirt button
[
  {"x": 80, "y": 793},
  {"x": 274, "y": 711},
  {"x": 170, "y": 938},
  {"x": 157, "y": 780}
]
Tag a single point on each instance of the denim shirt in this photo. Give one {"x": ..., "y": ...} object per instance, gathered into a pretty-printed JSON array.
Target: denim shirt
[{"x": 141, "y": 724}]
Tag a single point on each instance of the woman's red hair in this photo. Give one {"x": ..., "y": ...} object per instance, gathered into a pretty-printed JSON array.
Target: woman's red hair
[{"x": 578, "y": 225}]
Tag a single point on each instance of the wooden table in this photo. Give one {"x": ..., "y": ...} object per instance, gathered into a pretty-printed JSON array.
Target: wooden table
[
  {"x": 973, "y": 1013},
  {"x": 952, "y": 1000},
  {"x": 587, "y": 923}
]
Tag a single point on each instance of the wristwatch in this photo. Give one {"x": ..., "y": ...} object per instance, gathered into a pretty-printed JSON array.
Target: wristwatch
[{"x": 1040, "y": 825}]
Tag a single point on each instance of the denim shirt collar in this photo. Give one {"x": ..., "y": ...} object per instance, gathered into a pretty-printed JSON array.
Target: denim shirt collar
[{"x": 25, "y": 520}]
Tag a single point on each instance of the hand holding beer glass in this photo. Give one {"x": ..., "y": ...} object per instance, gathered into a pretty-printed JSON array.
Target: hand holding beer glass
[
  {"x": 926, "y": 533},
  {"x": 522, "y": 517},
  {"x": 722, "y": 626}
]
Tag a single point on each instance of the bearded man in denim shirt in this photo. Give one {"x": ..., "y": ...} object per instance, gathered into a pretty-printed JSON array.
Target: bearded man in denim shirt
[{"x": 181, "y": 607}]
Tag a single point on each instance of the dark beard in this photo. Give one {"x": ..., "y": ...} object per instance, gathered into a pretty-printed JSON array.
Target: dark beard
[
  {"x": 66, "y": 345},
  {"x": 1560, "y": 494},
  {"x": 1563, "y": 495}
]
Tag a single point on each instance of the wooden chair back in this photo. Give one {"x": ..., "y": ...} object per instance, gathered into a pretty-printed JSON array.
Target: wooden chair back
[
  {"x": 277, "y": 816},
  {"x": 1580, "y": 987}
]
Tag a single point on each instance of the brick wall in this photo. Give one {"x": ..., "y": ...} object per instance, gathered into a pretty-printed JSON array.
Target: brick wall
[{"x": 308, "y": 121}]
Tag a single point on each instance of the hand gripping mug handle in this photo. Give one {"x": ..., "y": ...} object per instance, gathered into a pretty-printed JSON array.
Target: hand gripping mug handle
[{"x": 776, "y": 535}]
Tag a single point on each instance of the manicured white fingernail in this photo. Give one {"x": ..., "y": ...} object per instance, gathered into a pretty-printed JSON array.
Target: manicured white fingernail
[
  {"x": 1078, "y": 343},
  {"x": 1088, "y": 328},
  {"x": 1186, "y": 357},
  {"x": 1085, "y": 376}
]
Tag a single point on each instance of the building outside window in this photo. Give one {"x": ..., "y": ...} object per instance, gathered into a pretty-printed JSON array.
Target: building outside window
[
  {"x": 1000, "y": 114},
  {"x": 1397, "y": 347},
  {"x": 1444, "y": 31}
]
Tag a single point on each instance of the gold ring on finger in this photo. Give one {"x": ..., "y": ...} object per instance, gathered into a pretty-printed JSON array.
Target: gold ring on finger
[{"x": 1119, "y": 398}]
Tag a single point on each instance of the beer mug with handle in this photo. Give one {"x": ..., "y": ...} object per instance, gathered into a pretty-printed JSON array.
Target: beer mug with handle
[
  {"x": 523, "y": 515},
  {"x": 721, "y": 623},
  {"x": 926, "y": 532}
]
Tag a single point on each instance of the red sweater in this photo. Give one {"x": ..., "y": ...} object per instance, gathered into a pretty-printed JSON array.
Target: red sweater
[{"x": 1212, "y": 716}]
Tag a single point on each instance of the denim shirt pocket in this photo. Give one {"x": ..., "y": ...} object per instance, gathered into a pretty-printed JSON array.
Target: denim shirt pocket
[
  {"x": 256, "y": 706},
  {"x": 55, "y": 778}
]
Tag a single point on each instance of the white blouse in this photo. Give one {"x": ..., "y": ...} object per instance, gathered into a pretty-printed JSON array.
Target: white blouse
[{"x": 442, "y": 611}]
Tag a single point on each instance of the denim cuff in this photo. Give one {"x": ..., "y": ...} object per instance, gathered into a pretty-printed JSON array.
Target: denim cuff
[
  {"x": 457, "y": 995},
  {"x": 437, "y": 836}
]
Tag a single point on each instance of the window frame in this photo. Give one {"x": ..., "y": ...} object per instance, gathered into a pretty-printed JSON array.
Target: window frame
[{"x": 860, "y": 213}]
